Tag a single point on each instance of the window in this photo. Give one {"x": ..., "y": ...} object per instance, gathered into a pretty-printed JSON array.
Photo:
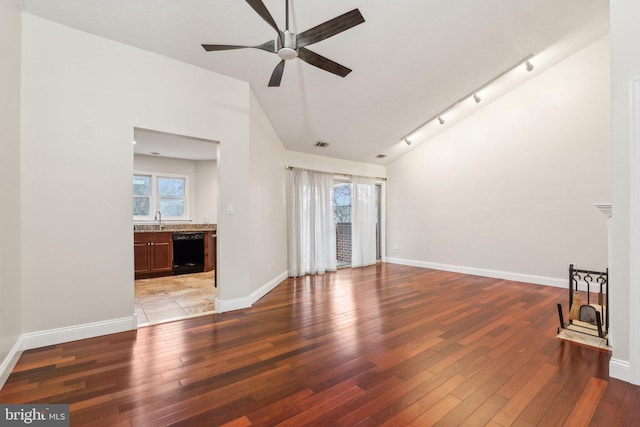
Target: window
[
  {"x": 171, "y": 196},
  {"x": 342, "y": 219},
  {"x": 141, "y": 195},
  {"x": 342, "y": 202},
  {"x": 165, "y": 193}
]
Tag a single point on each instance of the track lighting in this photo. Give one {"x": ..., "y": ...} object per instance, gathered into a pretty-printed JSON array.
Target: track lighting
[
  {"x": 474, "y": 94},
  {"x": 529, "y": 66}
]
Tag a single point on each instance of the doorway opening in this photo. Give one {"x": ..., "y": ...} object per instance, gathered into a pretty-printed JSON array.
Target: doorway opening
[
  {"x": 175, "y": 205},
  {"x": 342, "y": 190}
]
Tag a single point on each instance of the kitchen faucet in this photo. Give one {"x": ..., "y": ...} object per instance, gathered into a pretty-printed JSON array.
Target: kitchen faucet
[{"x": 159, "y": 218}]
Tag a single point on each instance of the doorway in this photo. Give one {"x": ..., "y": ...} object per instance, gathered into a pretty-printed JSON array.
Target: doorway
[
  {"x": 342, "y": 218},
  {"x": 175, "y": 226}
]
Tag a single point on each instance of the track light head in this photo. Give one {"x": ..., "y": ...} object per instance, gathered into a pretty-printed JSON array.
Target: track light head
[
  {"x": 529, "y": 66},
  {"x": 449, "y": 110}
]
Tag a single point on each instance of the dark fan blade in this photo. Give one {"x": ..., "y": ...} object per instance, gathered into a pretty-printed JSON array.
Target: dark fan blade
[
  {"x": 330, "y": 28},
  {"x": 262, "y": 10},
  {"x": 321, "y": 62},
  {"x": 276, "y": 76},
  {"x": 217, "y": 47},
  {"x": 269, "y": 46}
]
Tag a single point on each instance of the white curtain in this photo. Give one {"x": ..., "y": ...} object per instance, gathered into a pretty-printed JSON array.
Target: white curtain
[
  {"x": 363, "y": 221},
  {"x": 311, "y": 230}
]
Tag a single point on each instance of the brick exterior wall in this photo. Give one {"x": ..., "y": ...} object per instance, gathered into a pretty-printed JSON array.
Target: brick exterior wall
[{"x": 343, "y": 242}]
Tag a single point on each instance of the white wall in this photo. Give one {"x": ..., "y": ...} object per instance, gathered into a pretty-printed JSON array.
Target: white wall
[
  {"x": 329, "y": 164},
  {"x": 268, "y": 203},
  {"x": 206, "y": 192},
  {"x": 10, "y": 313},
  {"x": 509, "y": 191},
  {"x": 82, "y": 97},
  {"x": 625, "y": 295},
  {"x": 202, "y": 182}
]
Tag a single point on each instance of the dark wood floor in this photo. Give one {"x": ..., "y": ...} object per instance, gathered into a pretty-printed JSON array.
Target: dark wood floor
[{"x": 390, "y": 345}]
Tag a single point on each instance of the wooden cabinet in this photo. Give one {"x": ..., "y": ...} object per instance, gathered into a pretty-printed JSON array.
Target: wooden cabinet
[
  {"x": 209, "y": 250},
  {"x": 153, "y": 254}
]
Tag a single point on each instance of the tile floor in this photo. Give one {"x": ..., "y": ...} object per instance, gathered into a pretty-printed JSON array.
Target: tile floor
[{"x": 164, "y": 299}]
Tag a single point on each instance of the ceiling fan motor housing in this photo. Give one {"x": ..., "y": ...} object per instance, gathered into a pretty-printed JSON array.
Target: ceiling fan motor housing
[{"x": 288, "y": 49}]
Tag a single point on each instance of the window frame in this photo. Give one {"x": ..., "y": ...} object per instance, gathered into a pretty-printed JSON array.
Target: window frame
[
  {"x": 339, "y": 180},
  {"x": 149, "y": 196},
  {"x": 154, "y": 197}
]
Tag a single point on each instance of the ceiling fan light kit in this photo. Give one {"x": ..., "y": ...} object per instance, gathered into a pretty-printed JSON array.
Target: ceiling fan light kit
[
  {"x": 288, "y": 50},
  {"x": 289, "y": 45}
]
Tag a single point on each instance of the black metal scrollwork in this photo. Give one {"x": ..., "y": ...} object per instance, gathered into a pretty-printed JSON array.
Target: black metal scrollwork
[{"x": 583, "y": 282}]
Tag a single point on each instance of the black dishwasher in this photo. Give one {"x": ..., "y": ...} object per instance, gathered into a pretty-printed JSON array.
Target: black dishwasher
[{"x": 188, "y": 253}]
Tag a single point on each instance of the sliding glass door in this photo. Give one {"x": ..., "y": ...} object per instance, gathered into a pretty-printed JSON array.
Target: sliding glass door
[
  {"x": 342, "y": 191},
  {"x": 342, "y": 218}
]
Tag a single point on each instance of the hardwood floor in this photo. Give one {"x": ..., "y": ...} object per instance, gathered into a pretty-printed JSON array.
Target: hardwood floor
[{"x": 384, "y": 345}]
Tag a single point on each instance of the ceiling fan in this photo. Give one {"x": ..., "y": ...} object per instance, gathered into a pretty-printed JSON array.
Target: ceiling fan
[{"x": 290, "y": 46}]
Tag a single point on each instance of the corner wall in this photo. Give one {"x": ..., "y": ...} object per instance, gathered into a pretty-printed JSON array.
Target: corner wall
[
  {"x": 268, "y": 263},
  {"x": 508, "y": 192},
  {"x": 10, "y": 312},
  {"x": 82, "y": 97},
  {"x": 625, "y": 266}
]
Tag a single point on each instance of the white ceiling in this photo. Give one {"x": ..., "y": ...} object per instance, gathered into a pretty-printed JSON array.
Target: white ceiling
[{"x": 410, "y": 59}]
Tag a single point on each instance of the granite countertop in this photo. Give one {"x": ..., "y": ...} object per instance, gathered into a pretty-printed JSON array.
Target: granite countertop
[{"x": 148, "y": 228}]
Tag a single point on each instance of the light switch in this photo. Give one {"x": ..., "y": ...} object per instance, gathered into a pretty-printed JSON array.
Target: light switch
[{"x": 230, "y": 209}]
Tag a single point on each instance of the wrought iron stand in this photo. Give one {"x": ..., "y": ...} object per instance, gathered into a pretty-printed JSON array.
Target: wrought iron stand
[{"x": 594, "y": 327}]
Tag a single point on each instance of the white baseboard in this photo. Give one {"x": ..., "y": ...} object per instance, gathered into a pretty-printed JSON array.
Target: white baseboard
[
  {"x": 61, "y": 335},
  {"x": 10, "y": 361},
  {"x": 496, "y": 274},
  {"x": 246, "y": 302},
  {"x": 77, "y": 332},
  {"x": 619, "y": 369},
  {"x": 268, "y": 287},
  {"x": 234, "y": 304}
]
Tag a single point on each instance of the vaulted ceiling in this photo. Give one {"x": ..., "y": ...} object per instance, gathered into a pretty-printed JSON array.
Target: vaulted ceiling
[{"x": 410, "y": 58}]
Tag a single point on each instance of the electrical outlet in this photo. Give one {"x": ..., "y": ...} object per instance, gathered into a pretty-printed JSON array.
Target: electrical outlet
[
  {"x": 230, "y": 209},
  {"x": 396, "y": 250}
]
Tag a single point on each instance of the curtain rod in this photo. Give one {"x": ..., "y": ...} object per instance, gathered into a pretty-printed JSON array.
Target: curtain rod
[{"x": 335, "y": 173}]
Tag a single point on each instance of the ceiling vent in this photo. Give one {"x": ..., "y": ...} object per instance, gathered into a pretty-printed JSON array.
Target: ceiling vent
[
  {"x": 322, "y": 144},
  {"x": 381, "y": 156}
]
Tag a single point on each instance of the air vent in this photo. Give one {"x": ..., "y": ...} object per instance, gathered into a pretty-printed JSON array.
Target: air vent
[
  {"x": 322, "y": 144},
  {"x": 381, "y": 156}
]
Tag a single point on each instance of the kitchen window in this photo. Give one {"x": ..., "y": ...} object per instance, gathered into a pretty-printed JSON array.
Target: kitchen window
[
  {"x": 166, "y": 193},
  {"x": 141, "y": 195}
]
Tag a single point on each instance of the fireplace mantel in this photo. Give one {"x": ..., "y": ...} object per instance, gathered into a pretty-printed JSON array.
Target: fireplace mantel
[{"x": 605, "y": 208}]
